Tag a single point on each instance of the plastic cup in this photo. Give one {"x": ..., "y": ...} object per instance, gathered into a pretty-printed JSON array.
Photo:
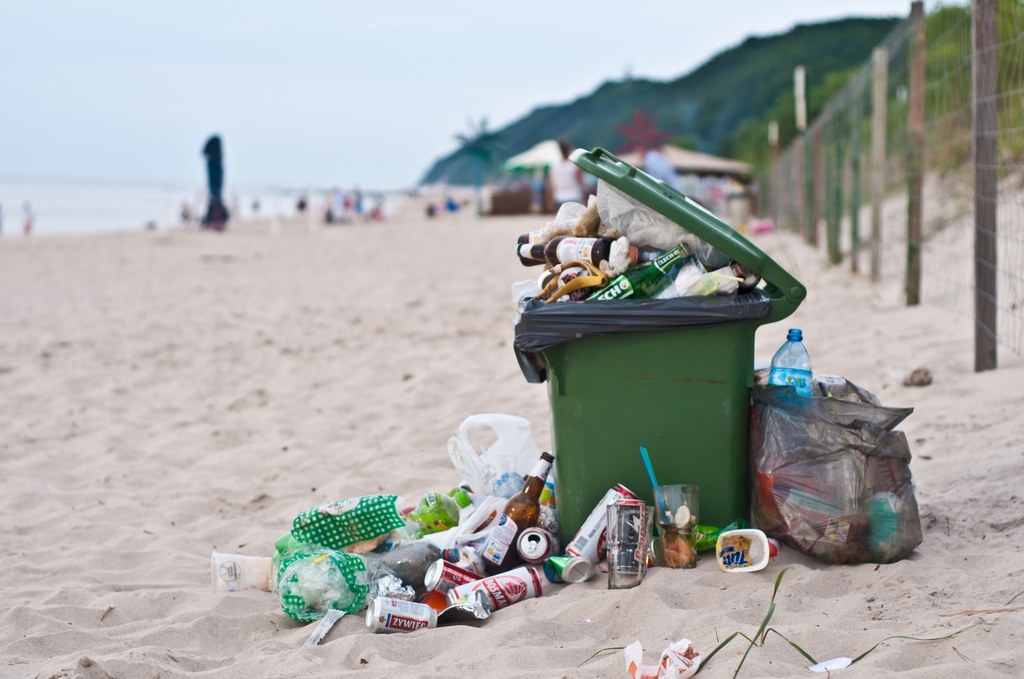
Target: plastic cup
[
  {"x": 677, "y": 507},
  {"x": 629, "y": 537}
]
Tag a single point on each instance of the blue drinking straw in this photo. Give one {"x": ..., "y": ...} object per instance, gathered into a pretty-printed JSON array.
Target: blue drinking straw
[{"x": 654, "y": 482}]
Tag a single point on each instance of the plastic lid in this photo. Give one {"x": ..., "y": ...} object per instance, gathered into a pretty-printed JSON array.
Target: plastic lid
[{"x": 795, "y": 335}]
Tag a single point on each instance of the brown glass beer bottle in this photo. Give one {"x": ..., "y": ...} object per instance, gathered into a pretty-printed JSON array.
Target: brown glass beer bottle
[{"x": 521, "y": 512}]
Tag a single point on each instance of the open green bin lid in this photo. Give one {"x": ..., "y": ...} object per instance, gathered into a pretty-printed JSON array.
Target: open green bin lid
[{"x": 783, "y": 289}]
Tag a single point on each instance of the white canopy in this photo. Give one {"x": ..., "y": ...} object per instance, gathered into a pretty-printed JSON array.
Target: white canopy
[{"x": 540, "y": 156}]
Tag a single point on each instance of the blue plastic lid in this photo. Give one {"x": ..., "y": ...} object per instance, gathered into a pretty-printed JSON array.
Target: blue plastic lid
[{"x": 795, "y": 335}]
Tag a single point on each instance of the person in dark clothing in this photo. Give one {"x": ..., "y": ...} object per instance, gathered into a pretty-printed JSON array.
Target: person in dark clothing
[
  {"x": 216, "y": 213},
  {"x": 214, "y": 165}
]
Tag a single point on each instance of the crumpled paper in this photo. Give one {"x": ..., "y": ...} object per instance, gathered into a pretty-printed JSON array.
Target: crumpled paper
[{"x": 678, "y": 661}]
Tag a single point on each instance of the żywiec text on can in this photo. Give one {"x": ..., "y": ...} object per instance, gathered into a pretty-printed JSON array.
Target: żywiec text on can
[{"x": 394, "y": 615}]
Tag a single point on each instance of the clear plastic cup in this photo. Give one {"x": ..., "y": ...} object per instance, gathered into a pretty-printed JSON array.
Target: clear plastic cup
[{"x": 629, "y": 537}]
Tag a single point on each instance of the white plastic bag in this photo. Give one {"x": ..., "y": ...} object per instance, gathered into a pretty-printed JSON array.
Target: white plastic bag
[{"x": 501, "y": 467}]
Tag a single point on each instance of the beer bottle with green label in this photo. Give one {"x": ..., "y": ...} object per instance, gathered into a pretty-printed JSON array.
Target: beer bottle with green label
[{"x": 643, "y": 281}]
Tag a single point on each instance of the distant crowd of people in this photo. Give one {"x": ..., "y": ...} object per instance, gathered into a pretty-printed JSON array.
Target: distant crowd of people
[{"x": 347, "y": 206}]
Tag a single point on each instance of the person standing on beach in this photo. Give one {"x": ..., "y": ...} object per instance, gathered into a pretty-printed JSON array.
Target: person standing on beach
[
  {"x": 654, "y": 163},
  {"x": 216, "y": 212},
  {"x": 30, "y": 218},
  {"x": 565, "y": 179}
]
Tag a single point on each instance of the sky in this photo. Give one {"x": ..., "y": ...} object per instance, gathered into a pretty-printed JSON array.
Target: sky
[{"x": 327, "y": 92}]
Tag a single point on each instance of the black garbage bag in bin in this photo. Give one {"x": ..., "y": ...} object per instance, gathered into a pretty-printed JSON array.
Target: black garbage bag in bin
[
  {"x": 832, "y": 475},
  {"x": 545, "y": 325}
]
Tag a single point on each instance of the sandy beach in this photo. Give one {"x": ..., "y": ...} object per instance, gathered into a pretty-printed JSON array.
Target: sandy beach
[{"x": 167, "y": 394}]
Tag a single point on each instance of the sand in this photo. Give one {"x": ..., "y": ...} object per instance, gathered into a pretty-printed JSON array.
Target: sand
[{"x": 168, "y": 394}]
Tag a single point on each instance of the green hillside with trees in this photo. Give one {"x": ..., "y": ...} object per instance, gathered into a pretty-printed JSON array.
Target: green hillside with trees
[{"x": 715, "y": 108}]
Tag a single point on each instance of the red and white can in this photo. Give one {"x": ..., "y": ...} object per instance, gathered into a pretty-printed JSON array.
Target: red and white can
[
  {"x": 443, "y": 576},
  {"x": 394, "y": 615},
  {"x": 465, "y": 557},
  {"x": 589, "y": 540},
  {"x": 503, "y": 589},
  {"x": 536, "y": 544}
]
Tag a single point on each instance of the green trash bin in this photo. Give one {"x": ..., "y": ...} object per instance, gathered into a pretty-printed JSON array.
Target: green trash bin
[{"x": 672, "y": 375}]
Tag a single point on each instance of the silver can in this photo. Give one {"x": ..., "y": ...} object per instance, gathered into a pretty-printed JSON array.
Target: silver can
[{"x": 394, "y": 615}]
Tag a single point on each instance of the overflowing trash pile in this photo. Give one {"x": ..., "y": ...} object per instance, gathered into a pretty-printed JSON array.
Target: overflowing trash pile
[
  {"x": 832, "y": 475},
  {"x": 453, "y": 557},
  {"x": 616, "y": 248}
]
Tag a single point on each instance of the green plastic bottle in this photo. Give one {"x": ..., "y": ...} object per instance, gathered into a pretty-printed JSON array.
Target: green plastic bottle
[{"x": 641, "y": 282}]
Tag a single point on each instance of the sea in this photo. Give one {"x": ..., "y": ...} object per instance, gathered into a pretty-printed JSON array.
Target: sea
[{"x": 63, "y": 208}]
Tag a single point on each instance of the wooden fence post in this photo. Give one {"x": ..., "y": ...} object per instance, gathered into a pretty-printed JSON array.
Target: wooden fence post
[
  {"x": 983, "y": 20},
  {"x": 803, "y": 157},
  {"x": 915, "y": 153},
  {"x": 773, "y": 173},
  {"x": 799, "y": 197},
  {"x": 817, "y": 184},
  {"x": 855, "y": 112},
  {"x": 880, "y": 60}
]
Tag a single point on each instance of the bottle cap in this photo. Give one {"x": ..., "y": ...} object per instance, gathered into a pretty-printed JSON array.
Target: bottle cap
[{"x": 795, "y": 335}]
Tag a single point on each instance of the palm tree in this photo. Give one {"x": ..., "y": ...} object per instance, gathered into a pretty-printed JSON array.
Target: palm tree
[{"x": 482, "y": 146}]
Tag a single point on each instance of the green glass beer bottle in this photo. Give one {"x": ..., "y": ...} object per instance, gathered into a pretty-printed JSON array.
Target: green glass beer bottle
[{"x": 643, "y": 281}]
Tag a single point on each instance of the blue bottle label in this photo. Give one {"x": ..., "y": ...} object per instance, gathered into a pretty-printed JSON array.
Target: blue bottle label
[{"x": 792, "y": 377}]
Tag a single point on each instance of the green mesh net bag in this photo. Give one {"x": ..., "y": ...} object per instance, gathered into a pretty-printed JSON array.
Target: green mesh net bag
[
  {"x": 345, "y": 522},
  {"x": 311, "y": 583}
]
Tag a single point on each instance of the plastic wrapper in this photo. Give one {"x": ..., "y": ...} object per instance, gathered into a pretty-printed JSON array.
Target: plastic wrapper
[
  {"x": 689, "y": 272},
  {"x": 622, "y": 215},
  {"x": 435, "y": 512},
  {"x": 832, "y": 475},
  {"x": 409, "y": 563},
  {"x": 346, "y": 522},
  {"x": 718, "y": 282},
  {"x": 678, "y": 661},
  {"x": 312, "y": 583},
  {"x": 566, "y": 219},
  {"x": 324, "y": 627},
  {"x": 541, "y": 326}
]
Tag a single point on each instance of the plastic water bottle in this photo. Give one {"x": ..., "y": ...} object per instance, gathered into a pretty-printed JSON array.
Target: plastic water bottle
[{"x": 791, "y": 366}]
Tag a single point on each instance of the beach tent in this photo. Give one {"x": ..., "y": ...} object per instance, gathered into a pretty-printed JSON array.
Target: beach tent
[
  {"x": 685, "y": 161},
  {"x": 539, "y": 157}
]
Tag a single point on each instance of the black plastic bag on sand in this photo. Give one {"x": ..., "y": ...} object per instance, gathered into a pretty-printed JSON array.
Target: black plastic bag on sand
[{"x": 831, "y": 476}]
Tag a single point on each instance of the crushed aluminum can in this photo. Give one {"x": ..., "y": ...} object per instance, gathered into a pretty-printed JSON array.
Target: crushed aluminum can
[{"x": 503, "y": 589}]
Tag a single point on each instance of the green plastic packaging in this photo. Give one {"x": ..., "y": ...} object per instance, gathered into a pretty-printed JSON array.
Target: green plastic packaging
[
  {"x": 707, "y": 536},
  {"x": 338, "y": 524},
  {"x": 311, "y": 583}
]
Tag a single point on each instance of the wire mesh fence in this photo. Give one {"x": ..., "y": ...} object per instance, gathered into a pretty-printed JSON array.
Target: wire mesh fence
[{"x": 886, "y": 179}]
